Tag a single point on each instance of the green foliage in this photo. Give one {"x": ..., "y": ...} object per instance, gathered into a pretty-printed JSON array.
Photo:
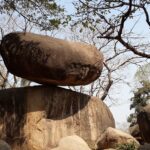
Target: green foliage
[
  {"x": 99, "y": 14},
  {"x": 141, "y": 96},
  {"x": 142, "y": 93},
  {"x": 132, "y": 118},
  {"x": 127, "y": 146},
  {"x": 143, "y": 74},
  {"x": 46, "y": 14}
]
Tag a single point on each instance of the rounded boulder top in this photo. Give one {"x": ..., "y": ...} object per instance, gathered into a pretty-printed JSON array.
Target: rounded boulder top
[{"x": 48, "y": 60}]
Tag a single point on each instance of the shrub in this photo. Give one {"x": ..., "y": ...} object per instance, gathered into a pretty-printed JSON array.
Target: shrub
[{"x": 127, "y": 146}]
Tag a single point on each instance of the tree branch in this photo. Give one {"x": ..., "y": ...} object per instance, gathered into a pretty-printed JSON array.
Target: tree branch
[
  {"x": 124, "y": 18},
  {"x": 110, "y": 82},
  {"x": 132, "y": 48},
  {"x": 147, "y": 15}
]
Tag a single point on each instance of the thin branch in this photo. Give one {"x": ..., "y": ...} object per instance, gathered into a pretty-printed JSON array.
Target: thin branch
[
  {"x": 103, "y": 8},
  {"x": 132, "y": 48},
  {"x": 126, "y": 62},
  {"x": 110, "y": 82},
  {"x": 115, "y": 55},
  {"x": 21, "y": 14},
  {"x": 5, "y": 80},
  {"x": 124, "y": 18},
  {"x": 2, "y": 32}
]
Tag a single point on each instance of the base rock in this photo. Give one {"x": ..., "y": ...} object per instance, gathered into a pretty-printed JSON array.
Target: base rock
[{"x": 36, "y": 118}]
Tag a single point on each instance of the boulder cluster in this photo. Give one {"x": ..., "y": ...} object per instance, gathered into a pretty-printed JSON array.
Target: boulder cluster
[{"x": 48, "y": 117}]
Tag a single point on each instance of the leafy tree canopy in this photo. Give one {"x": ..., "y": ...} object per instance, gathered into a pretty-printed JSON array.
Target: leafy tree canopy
[{"x": 46, "y": 14}]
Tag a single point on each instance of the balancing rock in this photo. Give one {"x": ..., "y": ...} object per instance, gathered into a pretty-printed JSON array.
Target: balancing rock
[{"x": 49, "y": 60}]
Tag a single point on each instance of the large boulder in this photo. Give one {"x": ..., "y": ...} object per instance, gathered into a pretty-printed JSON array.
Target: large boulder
[
  {"x": 111, "y": 138},
  {"x": 143, "y": 119},
  {"x": 34, "y": 118},
  {"x": 72, "y": 143},
  {"x": 48, "y": 60}
]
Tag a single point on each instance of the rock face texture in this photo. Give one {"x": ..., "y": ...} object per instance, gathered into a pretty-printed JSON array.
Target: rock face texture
[
  {"x": 48, "y": 60},
  {"x": 4, "y": 145},
  {"x": 146, "y": 146},
  {"x": 72, "y": 143},
  {"x": 143, "y": 120},
  {"x": 135, "y": 132},
  {"x": 36, "y": 118},
  {"x": 112, "y": 137}
]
